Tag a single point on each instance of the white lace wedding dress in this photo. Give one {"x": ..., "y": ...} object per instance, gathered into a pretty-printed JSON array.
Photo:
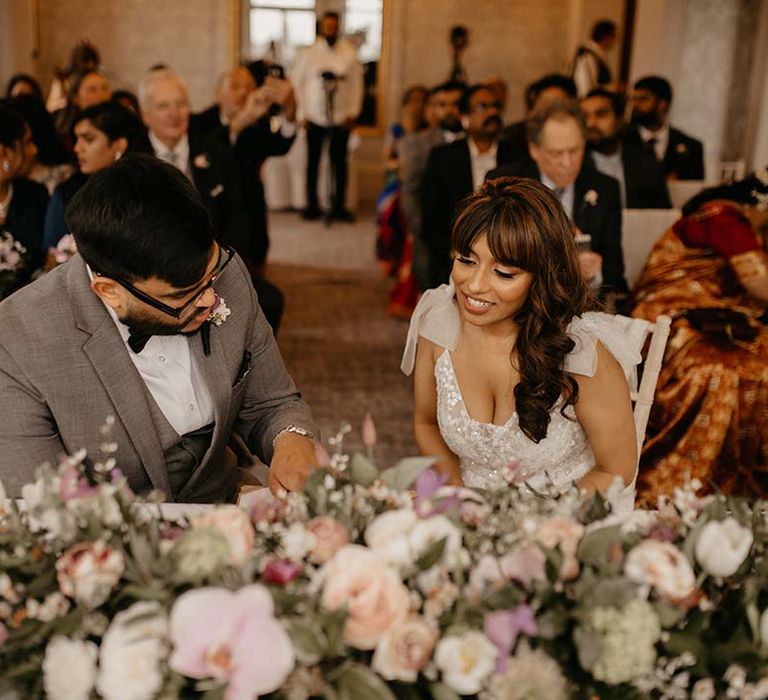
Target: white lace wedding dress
[{"x": 486, "y": 450}]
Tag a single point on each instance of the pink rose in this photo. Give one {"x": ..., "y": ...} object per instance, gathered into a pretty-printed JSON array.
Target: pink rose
[
  {"x": 566, "y": 533},
  {"x": 330, "y": 536},
  {"x": 280, "y": 571},
  {"x": 525, "y": 564},
  {"x": 232, "y": 637},
  {"x": 373, "y": 593},
  {"x": 235, "y": 525},
  {"x": 88, "y": 572},
  {"x": 663, "y": 566},
  {"x": 404, "y": 649}
]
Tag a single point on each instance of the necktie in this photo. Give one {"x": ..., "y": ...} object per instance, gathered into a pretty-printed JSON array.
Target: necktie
[{"x": 650, "y": 146}]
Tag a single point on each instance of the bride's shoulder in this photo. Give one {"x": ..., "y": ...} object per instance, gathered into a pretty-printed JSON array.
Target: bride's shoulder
[
  {"x": 435, "y": 320},
  {"x": 619, "y": 336}
]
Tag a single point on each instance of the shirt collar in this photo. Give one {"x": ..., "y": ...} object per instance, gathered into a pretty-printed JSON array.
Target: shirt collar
[
  {"x": 181, "y": 149},
  {"x": 474, "y": 152},
  {"x": 552, "y": 186}
]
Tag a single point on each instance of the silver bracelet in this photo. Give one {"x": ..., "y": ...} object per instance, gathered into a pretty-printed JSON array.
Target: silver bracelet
[{"x": 293, "y": 429}]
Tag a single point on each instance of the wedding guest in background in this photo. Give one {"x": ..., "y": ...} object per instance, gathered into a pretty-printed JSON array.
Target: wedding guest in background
[
  {"x": 22, "y": 202},
  {"x": 510, "y": 365},
  {"x": 103, "y": 133},
  {"x": 710, "y": 273},
  {"x": 86, "y": 89},
  {"x": 208, "y": 163},
  {"x": 23, "y": 84},
  {"x": 549, "y": 88},
  {"x": 641, "y": 178},
  {"x": 557, "y": 142},
  {"x": 126, "y": 332},
  {"x": 328, "y": 74},
  {"x": 454, "y": 171},
  {"x": 443, "y": 103},
  {"x": 51, "y": 164},
  {"x": 590, "y": 67},
  {"x": 411, "y": 121},
  {"x": 243, "y": 118},
  {"x": 84, "y": 57},
  {"x": 681, "y": 155}
]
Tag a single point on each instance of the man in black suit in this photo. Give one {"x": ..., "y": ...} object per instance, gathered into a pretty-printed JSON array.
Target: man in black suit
[
  {"x": 208, "y": 163},
  {"x": 681, "y": 155},
  {"x": 455, "y": 170},
  {"x": 242, "y": 118},
  {"x": 641, "y": 177},
  {"x": 557, "y": 141}
]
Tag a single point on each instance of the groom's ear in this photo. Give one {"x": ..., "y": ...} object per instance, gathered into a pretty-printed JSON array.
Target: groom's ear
[{"x": 109, "y": 291}]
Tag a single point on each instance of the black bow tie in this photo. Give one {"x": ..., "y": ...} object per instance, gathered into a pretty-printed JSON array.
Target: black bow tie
[{"x": 138, "y": 340}]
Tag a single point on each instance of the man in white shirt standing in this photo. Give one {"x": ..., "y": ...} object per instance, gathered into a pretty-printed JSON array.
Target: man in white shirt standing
[
  {"x": 590, "y": 67},
  {"x": 329, "y": 85}
]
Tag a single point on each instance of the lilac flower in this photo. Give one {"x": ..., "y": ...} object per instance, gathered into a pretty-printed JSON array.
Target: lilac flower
[
  {"x": 428, "y": 483},
  {"x": 503, "y": 627}
]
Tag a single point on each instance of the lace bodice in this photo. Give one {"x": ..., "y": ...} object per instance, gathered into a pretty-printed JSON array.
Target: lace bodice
[{"x": 485, "y": 450}]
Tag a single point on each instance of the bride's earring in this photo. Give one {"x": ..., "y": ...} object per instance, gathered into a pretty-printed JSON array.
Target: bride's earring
[{"x": 118, "y": 155}]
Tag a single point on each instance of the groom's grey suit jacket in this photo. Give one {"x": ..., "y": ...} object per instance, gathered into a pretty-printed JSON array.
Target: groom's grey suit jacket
[{"x": 64, "y": 368}]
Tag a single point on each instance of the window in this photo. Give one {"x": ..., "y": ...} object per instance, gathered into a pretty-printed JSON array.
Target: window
[
  {"x": 363, "y": 25},
  {"x": 278, "y": 28}
]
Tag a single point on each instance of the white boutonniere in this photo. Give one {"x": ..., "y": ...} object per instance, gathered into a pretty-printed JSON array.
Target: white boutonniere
[
  {"x": 201, "y": 161},
  {"x": 220, "y": 311},
  {"x": 216, "y": 191},
  {"x": 681, "y": 148},
  {"x": 591, "y": 197}
]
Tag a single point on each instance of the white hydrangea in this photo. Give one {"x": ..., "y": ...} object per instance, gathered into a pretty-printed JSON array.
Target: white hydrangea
[{"x": 69, "y": 669}]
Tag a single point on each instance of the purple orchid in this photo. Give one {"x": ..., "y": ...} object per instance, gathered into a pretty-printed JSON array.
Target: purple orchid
[
  {"x": 503, "y": 627},
  {"x": 428, "y": 483}
]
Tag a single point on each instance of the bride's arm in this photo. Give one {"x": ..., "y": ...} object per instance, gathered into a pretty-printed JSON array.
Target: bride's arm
[
  {"x": 425, "y": 426},
  {"x": 604, "y": 411}
]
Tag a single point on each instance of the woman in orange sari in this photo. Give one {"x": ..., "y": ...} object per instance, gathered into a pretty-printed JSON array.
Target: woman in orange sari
[{"x": 710, "y": 415}]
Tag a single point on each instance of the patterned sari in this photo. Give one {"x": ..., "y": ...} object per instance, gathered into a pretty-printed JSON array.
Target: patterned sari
[{"x": 710, "y": 414}]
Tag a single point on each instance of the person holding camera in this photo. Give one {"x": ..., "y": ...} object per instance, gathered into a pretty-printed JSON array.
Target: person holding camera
[{"x": 329, "y": 86}]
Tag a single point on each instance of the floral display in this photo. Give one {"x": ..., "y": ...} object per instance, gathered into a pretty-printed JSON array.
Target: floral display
[
  {"x": 13, "y": 264},
  {"x": 379, "y": 584}
]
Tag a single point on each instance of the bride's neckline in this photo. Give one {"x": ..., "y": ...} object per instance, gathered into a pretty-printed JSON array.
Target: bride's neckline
[{"x": 446, "y": 353}]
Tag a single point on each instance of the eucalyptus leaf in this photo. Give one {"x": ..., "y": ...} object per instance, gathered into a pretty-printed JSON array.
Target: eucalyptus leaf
[
  {"x": 440, "y": 691},
  {"x": 669, "y": 615},
  {"x": 308, "y": 640},
  {"x": 355, "y": 682},
  {"x": 332, "y": 625},
  {"x": 362, "y": 470},
  {"x": 403, "y": 475},
  {"x": 595, "y": 546},
  {"x": 432, "y": 555}
]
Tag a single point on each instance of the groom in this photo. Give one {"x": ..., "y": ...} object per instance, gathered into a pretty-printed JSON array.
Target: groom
[{"x": 122, "y": 330}]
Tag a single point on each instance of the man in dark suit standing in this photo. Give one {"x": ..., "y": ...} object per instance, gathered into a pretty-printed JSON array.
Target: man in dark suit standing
[
  {"x": 557, "y": 142},
  {"x": 681, "y": 155},
  {"x": 209, "y": 164},
  {"x": 641, "y": 177},
  {"x": 455, "y": 170}
]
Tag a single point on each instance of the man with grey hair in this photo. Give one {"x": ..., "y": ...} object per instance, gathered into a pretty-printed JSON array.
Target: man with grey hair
[{"x": 556, "y": 143}]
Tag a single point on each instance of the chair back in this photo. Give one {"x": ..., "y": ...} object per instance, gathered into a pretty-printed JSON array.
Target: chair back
[{"x": 640, "y": 229}]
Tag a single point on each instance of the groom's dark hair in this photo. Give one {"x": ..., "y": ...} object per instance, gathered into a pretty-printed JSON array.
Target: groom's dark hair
[{"x": 142, "y": 218}]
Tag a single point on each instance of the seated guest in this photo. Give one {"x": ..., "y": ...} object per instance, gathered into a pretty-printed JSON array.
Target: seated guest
[
  {"x": 556, "y": 142},
  {"x": 103, "y": 133},
  {"x": 208, "y": 163},
  {"x": 127, "y": 334},
  {"x": 86, "y": 90},
  {"x": 681, "y": 155},
  {"x": 443, "y": 108},
  {"x": 22, "y": 202},
  {"x": 51, "y": 164},
  {"x": 23, "y": 84},
  {"x": 83, "y": 57},
  {"x": 710, "y": 273},
  {"x": 455, "y": 170},
  {"x": 411, "y": 121},
  {"x": 641, "y": 178},
  {"x": 242, "y": 119},
  {"x": 550, "y": 88}
]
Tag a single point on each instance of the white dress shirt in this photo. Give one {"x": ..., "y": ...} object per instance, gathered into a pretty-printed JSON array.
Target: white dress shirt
[
  {"x": 312, "y": 62},
  {"x": 612, "y": 164},
  {"x": 587, "y": 70},
  {"x": 662, "y": 140},
  {"x": 566, "y": 195},
  {"x": 482, "y": 163},
  {"x": 178, "y": 155},
  {"x": 169, "y": 371}
]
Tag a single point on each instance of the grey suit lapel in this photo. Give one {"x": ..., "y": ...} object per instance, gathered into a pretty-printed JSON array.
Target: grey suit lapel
[{"x": 109, "y": 357}]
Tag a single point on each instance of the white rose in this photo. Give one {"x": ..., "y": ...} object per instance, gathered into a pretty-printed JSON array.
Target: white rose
[
  {"x": 297, "y": 542},
  {"x": 69, "y": 669},
  {"x": 388, "y": 535},
  {"x": 133, "y": 653},
  {"x": 427, "y": 532},
  {"x": 764, "y": 628},
  {"x": 466, "y": 661},
  {"x": 662, "y": 565},
  {"x": 723, "y": 546},
  {"x": 404, "y": 649}
]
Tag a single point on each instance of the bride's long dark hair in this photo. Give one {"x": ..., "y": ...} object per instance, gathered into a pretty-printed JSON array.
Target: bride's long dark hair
[{"x": 526, "y": 227}]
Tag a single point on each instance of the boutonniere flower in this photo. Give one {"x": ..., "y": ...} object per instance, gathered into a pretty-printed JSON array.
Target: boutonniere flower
[
  {"x": 64, "y": 249},
  {"x": 681, "y": 148},
  {"x": 220, "y": 311},
  {"x": 591, "y": 197},
  {"x": 201, "y": 161}
]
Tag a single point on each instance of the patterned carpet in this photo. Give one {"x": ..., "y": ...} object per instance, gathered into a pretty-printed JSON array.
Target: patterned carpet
[{"x": 344, "y": 353}]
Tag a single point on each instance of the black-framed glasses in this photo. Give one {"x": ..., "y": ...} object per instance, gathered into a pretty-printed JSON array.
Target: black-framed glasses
[{"x": 178, "y": 312}]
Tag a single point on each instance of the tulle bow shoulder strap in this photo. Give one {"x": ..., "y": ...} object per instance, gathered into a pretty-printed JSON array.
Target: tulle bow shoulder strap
[
  {"x": 623, "y": 337},
  {"x": 436, "y": 318}
]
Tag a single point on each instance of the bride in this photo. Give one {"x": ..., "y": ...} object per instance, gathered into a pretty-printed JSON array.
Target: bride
[{"x": 511, "y": 366}]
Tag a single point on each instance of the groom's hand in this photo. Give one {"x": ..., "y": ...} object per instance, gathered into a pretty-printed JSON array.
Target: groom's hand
[{"x": 293, "y": 461}]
